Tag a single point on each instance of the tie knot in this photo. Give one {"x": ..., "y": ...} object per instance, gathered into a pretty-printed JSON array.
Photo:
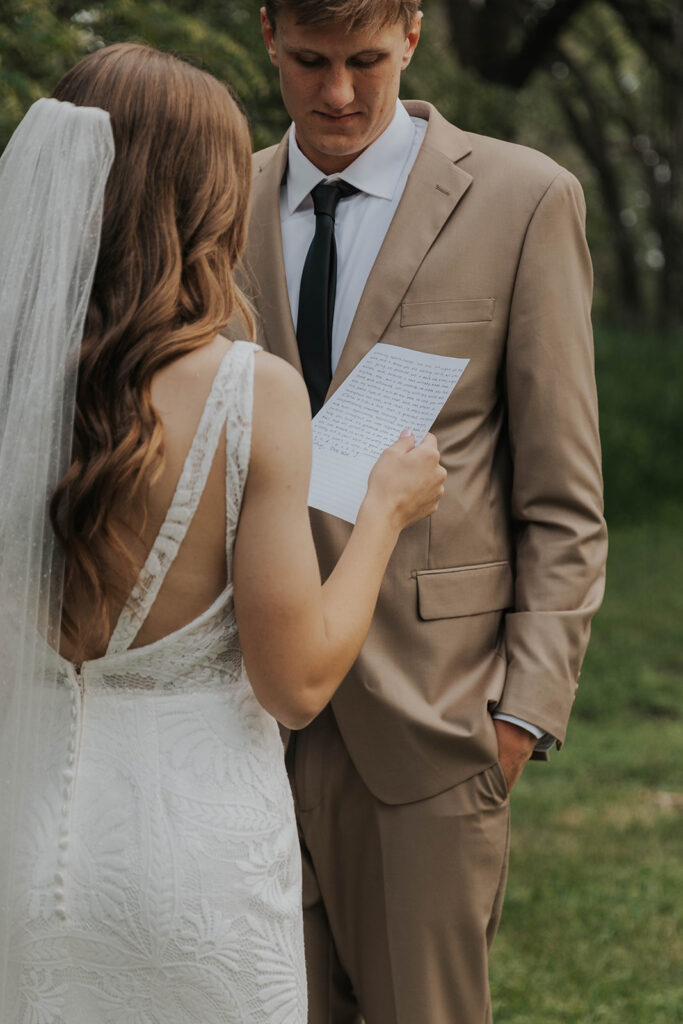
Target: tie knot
[{"x": 326, "y": 196}]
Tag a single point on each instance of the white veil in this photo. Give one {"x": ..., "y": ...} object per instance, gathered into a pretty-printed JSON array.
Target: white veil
[{"x": 52, "y": 180}]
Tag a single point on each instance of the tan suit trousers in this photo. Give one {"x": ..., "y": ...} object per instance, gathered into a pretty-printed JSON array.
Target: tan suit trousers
[{"x": 401, "y": 902}]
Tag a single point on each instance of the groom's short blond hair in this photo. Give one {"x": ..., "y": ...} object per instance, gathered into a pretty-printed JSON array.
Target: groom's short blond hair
[{"x": 349, "y": 14}]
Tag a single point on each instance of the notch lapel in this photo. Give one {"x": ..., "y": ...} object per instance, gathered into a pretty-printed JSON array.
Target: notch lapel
[
  {"x": 264, "y": 260},
  {"x": 434, "y": 188}
]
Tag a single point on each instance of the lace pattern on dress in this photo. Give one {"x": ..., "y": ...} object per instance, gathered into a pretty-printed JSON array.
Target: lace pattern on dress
[
  {"x": 238, "y": 441},
  {"x": 161, "y": 871}
]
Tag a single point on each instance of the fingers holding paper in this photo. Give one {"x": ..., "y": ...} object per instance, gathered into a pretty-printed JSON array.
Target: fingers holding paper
[
  {"x": 408, "y": 479},
  {"x": 389, "y": 387}
]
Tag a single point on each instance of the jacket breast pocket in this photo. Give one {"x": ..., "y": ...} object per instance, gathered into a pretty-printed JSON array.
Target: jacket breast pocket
[
  {"x": 464, "y": 590},
  {"x": 447, "y": 311}
]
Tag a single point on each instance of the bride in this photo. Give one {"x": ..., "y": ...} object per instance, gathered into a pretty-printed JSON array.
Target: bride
[{"x": 167, "y": 610}]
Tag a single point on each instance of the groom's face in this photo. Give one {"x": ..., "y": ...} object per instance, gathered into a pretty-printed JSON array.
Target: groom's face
[{"x": 340, "y": 88}]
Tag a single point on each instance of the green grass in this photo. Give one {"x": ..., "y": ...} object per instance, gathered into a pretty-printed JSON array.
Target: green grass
[
  {"x": 634, "y": 664},
  {"x": 640, "y": 383},
  {"x": 592, "y": 930}
]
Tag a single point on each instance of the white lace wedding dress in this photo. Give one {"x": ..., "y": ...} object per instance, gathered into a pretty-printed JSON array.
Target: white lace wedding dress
[{"x": 161, "y": 880}]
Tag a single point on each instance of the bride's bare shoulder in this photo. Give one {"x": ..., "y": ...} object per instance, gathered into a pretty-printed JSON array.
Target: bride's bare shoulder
[
  {"x": 192, "y": 372},
  {"x": 280, "y": 393},
  {"x": 201, "y": 365},
  {"x": 281, "y": 425},
  {"x": 271, "y": 371}
]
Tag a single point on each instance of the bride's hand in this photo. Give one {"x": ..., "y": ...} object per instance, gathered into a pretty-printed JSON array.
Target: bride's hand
[{"x": 407, "y": 481}]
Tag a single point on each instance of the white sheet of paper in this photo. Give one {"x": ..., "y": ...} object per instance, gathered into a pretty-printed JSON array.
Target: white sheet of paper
[{"x": 390, "y": 388}]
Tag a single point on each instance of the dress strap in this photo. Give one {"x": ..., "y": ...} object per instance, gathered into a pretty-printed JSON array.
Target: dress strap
[
  {"x": 186, "y": 498},
  {"x": 238, "y": 444}
]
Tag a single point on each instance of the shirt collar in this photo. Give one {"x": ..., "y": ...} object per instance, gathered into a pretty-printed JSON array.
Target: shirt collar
[{"x": 376, "y": 171}]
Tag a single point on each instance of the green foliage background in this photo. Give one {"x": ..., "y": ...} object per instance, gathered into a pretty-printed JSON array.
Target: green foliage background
[{"x": 604, "y": 76}]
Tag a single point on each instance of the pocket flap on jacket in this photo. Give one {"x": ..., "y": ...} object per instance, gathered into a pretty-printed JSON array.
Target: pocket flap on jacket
[
  {"x": 466, "y": 590},
  {"x": 447, "y": 311}
]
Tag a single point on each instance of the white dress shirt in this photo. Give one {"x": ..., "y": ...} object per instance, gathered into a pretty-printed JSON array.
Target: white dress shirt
[{"x": 361, "y": 223}]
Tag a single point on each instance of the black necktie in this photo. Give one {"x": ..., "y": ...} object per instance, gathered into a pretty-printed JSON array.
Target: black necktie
[{"x": 318, "y": 290}]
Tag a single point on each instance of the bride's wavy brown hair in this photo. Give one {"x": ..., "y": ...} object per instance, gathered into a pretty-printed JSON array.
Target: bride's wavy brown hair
[{"x": 174, "y": 227}]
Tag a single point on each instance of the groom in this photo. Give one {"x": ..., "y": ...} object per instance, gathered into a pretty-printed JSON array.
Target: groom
[{"x": 461, "y": 245}]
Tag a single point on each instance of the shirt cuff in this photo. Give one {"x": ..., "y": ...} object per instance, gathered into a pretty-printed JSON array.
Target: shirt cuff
[{"x": 545, "y": 740}]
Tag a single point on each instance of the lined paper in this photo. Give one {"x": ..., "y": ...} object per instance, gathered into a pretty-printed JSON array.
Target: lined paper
[{"x": 391, "y": 388}]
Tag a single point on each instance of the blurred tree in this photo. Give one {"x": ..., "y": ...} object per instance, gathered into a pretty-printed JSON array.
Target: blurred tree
[
  {"x": 36, "y": 48},
  {"x": 507, "y": 40},
  {"x": 652, "y": 117},
  {"x": 604, "y": 74},
  {"x": 625, "y": 113},
  {"x": 41, "y": 39},
  {"x": 222, "y": 37},
  {"x": 617, "y": 76}
]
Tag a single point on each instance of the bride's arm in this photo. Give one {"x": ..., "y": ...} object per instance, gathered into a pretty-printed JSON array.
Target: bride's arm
[{"x": 299, "y": 638}]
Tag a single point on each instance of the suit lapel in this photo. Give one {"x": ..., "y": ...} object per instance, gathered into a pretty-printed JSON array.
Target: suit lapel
[
  {"x": 434, "y": 188},
  {"x": 265, "y": 263}
]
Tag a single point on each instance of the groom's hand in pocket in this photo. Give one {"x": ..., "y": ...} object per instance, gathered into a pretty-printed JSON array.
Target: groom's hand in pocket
[{"x": 515, "y": 746}]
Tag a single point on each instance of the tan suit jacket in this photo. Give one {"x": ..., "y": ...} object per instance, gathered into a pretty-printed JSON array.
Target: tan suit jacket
[{"x": 488, "y": 603}]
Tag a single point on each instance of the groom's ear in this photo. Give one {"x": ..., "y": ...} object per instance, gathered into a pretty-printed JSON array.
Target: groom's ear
[
  {"x": 268, "y": 37},
  {"x": 412, "y": 39}
]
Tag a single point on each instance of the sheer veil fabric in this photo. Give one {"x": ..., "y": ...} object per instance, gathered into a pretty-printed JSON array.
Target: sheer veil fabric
[{"x": 52, "y": 181}]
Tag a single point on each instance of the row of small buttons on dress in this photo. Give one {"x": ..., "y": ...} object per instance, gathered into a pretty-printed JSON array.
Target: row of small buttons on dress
[{"x": 68, "y": 776}]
